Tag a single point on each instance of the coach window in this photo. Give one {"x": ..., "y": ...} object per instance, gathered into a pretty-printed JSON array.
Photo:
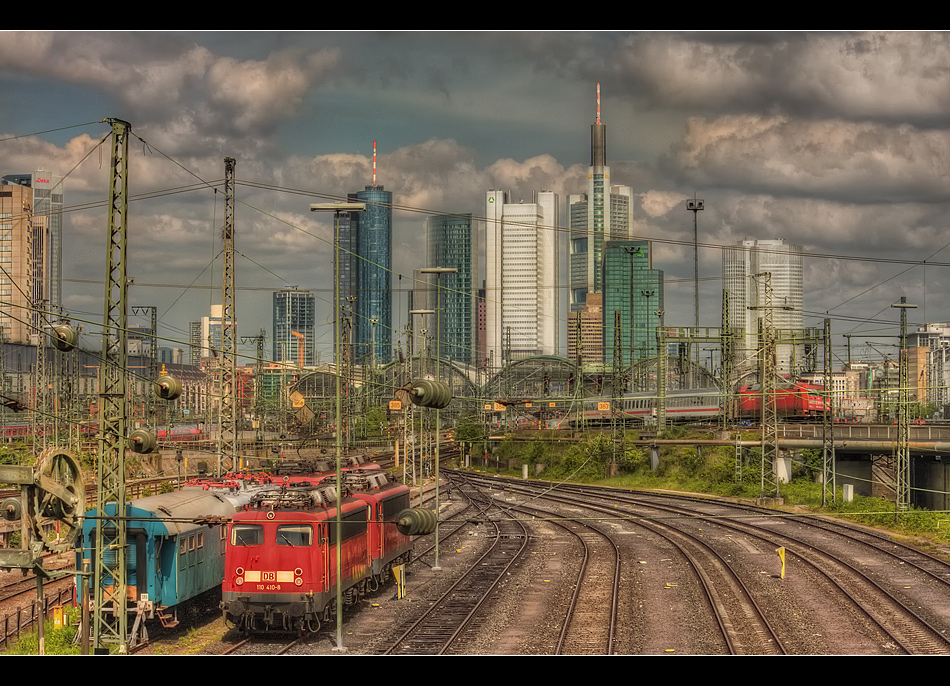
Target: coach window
[
  {"x": 295, "y": 535},
  {"x": 247, "y": 534}
]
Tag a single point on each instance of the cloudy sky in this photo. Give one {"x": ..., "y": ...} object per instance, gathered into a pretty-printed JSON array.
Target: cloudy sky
[{"x": 839, "y": 142}]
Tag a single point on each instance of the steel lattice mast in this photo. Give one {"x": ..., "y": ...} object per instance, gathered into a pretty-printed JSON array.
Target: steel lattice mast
[
  {"x": 769, "y": 484},
  {"x": 828, "y": 489},
  {"x": 227, "y": 440},
  {"x": 151, "y": 407},
  {"x": 110, "y": 623},
  {"x": 258, "y": 384},
  {"x": 727, "y": 364},
  {"x": 903, "y": 417}
]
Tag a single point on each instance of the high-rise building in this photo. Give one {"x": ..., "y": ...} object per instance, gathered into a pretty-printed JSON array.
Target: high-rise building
[
  {"x": 210, "y": 337},
  {"x": 31, "y": 234},
  {"x": 294, "y": 327},
  {"x": 521, "y": 276},
  {"x": 194, "y": 343},
  {"x": 743, "y": 269},
  {"x": 585, "y": 332},
  {"x": 604, "y": 212},
  {"x": 633, "y": 289},
  {"x": 450, "y": 242},
  {"x": 366, "y": 282}
]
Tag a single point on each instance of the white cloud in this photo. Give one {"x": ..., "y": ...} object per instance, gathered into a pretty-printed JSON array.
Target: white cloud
[
  {"x": 875, "y": 162},
  {"x": 879, "y": 75}
]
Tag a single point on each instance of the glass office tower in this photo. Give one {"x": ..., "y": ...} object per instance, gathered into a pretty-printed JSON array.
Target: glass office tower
[
  {"x": 294, "y": 330},
  {"x": 635, "y": 290},
  {"x": 371, "y": 233},
  {"x": 450, "y": 243}
]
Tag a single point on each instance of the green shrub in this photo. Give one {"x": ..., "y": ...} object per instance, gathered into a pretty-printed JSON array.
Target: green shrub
[{"x": 57, "y": 641}]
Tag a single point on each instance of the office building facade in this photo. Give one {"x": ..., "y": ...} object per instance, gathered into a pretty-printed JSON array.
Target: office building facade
[
  {"x": 633, "y": 293},
  {"x": 743, "y": 269},
  {"x": 366, "y": 284},
  {"x": 450, "y": 243},
  {"x": 521, "y": 276},
  {"x": 585, "y": 332},
  {"x": 31, "y": 234},
  {"x": 294, "y": 316}
]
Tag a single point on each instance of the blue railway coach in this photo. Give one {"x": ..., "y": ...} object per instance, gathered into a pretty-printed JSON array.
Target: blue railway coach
[{"x": 172, "y": 559}]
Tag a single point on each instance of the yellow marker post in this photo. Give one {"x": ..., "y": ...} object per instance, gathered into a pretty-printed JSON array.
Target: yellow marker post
[
  {"x": 781, "y": 554},
  {"x": 399, "y": 574}
]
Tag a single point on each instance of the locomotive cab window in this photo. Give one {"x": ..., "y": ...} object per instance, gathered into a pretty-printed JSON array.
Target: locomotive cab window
[
  {"x": 247, "y": 534},
  {"x": 295, "y": 535}
]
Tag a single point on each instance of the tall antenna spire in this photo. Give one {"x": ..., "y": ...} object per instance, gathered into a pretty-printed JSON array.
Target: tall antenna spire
[
  {"x": 598, "y": 141},
  {"x": 374, "y": 163},
  {"x": 598, "y": 103}
]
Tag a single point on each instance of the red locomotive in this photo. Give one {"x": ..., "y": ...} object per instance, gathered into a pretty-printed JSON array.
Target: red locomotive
[
  {"x": 792, "y": 401},
  {"x": 280, "y": 561}
]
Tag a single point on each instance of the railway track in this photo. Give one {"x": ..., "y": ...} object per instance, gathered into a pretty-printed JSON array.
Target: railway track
[
  {"x": 897, "y": 615},
  {"x": 846, "y": 566},
  {"x": 456, "y": 610},
  {"x": 742, "y": 624}
]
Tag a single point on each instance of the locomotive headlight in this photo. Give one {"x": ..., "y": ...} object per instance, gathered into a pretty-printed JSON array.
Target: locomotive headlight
[
  {"x": 239, "y": 581},
  {"x": 239, "y": 574},
  {"x": 298, "y": 577},
  {"x": 298, "y": 581}
]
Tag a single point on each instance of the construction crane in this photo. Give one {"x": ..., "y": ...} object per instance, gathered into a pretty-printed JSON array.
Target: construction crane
[{"x": 301, "y": 347}]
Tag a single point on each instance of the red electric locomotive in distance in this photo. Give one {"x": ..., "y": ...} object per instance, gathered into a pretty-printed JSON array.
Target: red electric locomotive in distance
[
  {"x": 792, "y": 401},
  {"x": 280, "y": 560}
]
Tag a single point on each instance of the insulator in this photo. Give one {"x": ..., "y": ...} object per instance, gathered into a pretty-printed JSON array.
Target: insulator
[
  {"x": 11, "y": 509},
  {"x": 142, "y": 441},
  {"x": 427, "y": 393},
  {"x": 168, "y": 388},
  {"x": 416, "y": 521},
  {"x": 65, "y": 337}
]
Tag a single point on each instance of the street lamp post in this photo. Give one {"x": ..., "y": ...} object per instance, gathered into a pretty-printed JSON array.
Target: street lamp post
[
  {"x": 695, "y": 205},
  {"x": 337, "y": 208},
  {"x": 438, "y": 271}
]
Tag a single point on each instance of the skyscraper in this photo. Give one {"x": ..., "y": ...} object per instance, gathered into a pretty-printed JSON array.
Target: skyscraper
[
  {"x": 450, "y": 242},
  {"x": 742, "y": 270},
  {"x": 31, "y": 234},
  {"x": 521, "y": 276},
  {"x": 634, "y": 289},
  {"x": 604, "y": 212},
  {"x": 366, "y": 277},
  {"x": 585, "y": 332},
  {"x": 294, "y": 327}
]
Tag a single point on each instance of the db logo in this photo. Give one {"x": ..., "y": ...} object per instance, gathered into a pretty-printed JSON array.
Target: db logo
[{"x": 268, "y": 576}]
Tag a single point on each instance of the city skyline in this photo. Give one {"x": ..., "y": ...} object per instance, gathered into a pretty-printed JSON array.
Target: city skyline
[{"x": 837, "y": 142}]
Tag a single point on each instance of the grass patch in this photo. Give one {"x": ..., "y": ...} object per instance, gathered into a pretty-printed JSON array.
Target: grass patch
[
  {"x": 57, "y": 641},
  {"x": 710, "y": 470}
]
